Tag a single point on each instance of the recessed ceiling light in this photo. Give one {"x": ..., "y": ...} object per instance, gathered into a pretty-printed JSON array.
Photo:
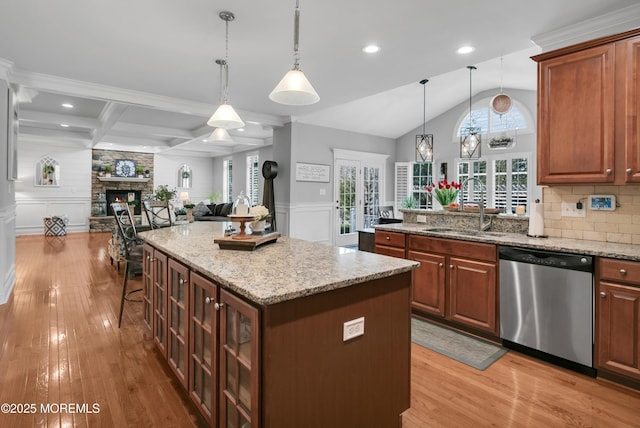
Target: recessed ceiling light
[
  {"x": 205, "y": 140},
  {"x": 67, "y": 105},
  {"x": 465, "y": 50},
  {"x": 240, "y": 129},
  {"x": 371, "y": 49},
  {"x": 64, "y": 125}
]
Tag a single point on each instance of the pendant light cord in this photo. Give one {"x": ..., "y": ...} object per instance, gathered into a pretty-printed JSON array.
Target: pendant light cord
[
  {"x": 296, "y": 36},
  {"x": 471, "y": 68},
  {"x": 424, "y": 107},
  {"x": 226, "y": 63}
]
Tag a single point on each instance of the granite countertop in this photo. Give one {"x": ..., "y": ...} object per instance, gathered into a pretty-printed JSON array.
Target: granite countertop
[
  {"x": 273, "y": 273},
  {"x": 594, "y": 248}
]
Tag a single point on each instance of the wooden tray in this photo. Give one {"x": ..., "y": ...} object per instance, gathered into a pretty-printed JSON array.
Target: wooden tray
[
  {"x": 486, "y": 210},
  {"x": 250, "y": 243},
  {"x": 451, "y": 209}
]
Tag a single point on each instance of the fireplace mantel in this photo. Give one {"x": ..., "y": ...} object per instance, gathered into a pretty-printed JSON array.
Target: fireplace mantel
[{"x": 124, "y": 179}]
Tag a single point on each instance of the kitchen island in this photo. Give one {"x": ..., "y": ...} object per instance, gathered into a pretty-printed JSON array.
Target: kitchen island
[{"x": 294, "y": 333}]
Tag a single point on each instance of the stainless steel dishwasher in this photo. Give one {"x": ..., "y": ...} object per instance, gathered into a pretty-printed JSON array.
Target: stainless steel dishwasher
[{"x": 546, "y": 305}]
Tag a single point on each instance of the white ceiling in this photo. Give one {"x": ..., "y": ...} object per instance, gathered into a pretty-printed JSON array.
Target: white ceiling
[{"x": 142, "y": 74}]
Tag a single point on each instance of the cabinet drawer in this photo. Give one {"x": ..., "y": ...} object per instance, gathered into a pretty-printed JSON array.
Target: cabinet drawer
[
  {"x": 453, "y": 247},
  {"x": 620, "y": 270},
  {"x": 392, "y": 239},
  {"x": 390, "y": 251}
]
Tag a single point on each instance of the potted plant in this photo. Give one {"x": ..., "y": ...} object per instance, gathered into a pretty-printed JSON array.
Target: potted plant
[
  {"x": 140, "y": 171},
  {"x": 188, "y": 206},
  {"x": 409, "y": 203},
  {"x": 164, "y": 194},
  {"x": 261, "y": 214},
  {"x": 108, "y": 169},
  {"x": 214, "y": 197},
  {"x": 47, "y": 174}
]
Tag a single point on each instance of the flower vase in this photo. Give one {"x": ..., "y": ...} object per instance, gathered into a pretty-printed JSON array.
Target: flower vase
[
  {"x": 189, "y": 214},
  {"x": 258, "y": 226}
]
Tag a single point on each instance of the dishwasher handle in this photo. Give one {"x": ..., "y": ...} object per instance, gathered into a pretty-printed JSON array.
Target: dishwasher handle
[{"x": 578, "y": 262}]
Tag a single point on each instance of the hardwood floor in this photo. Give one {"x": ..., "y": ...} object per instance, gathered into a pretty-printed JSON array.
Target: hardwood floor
[{"x": 60, "y": 343}]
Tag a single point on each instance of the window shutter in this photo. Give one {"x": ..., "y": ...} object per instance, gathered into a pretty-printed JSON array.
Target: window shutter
[{"x": 403, "y": 188}]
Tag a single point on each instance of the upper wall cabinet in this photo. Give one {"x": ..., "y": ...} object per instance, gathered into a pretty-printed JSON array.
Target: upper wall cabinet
[{"x": 588, "y": 107}]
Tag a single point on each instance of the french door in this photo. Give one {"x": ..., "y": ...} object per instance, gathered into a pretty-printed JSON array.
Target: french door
[{"x": 357, "y": 191}]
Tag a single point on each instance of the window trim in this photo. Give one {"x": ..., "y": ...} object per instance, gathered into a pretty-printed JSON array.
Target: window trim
[{"x": 484, "y": 103}]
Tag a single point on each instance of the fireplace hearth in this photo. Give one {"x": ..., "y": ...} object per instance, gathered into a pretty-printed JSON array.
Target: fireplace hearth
[{"x": 128, "y": 196}]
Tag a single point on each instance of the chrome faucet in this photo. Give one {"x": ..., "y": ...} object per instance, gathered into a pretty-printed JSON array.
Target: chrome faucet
[{"x": 481, "y": 224}]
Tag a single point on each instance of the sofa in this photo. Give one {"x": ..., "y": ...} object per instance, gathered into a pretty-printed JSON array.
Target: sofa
[{"x": 212, "y": 212}]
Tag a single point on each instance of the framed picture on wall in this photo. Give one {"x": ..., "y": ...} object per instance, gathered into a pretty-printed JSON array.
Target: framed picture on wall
[
  {"x": 12, "y": 134},
  {"x": 125, "y": 168}
]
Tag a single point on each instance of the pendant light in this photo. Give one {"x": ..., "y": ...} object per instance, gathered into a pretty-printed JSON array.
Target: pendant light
[
  {"x": 294, "y": 88},
  {"x": 470, "y": 141},
  {"x": 424, "y": 141},
  {"x": 225, "y": 116},
  {"x": 220, "y": 135}
]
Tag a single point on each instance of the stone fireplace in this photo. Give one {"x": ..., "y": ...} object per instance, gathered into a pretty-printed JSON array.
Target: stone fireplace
[{"x": 105, "y": 190}]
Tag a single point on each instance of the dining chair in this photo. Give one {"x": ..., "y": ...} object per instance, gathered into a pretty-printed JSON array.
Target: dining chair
[
  {"x": 131, "y": 250},
  {"x": 158, "y": 213}
]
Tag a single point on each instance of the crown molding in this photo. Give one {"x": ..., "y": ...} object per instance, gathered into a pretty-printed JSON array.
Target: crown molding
[
  {"x": 97, "y": 91},
  {"x": 6, "y": 67},
  {"x": 619, "y": 21}
]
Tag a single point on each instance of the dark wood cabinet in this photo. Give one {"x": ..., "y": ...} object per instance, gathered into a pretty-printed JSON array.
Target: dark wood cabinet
[
  {"x": 456, "y": 281},
  {"x": 239, "y": 369},
  {"x": 177, "y": 320},
  {"x": 618, "y": 318},
  {"x": 203, "y": 358},
  {"x": 428, "y": 283},
  {"x": 588, "y": 108},
  {"x": 390, "y": 243},
  {"x": 154, "y": 280}
]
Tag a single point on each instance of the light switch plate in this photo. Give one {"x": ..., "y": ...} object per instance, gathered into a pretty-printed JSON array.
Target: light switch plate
[
  {"x": 569, "y": 210},
  {"x": 353, "y": 328}
]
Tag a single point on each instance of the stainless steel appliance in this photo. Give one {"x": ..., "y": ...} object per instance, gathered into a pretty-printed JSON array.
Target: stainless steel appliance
[{"x": 546, "y": 305}]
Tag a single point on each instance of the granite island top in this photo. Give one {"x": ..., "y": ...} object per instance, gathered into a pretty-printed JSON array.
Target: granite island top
[
  {"x": 284, "y": 270},
  {"x": 580, "y": 246}
]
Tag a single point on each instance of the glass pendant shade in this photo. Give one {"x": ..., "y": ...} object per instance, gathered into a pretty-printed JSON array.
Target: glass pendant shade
[
  {"x": 294, "y": 89},
  {"x": 225, "y": 117},
  {"x": 220, "y": 134},
  {"x": 424, "y": 148},
  {"x": 424, "y": 141},
  {"x": 470, "y": 140},
  {"x": 471, "y": 144}
]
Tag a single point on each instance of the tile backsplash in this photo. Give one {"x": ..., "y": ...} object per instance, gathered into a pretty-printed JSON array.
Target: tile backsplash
[{"x": 620, "y": 226}]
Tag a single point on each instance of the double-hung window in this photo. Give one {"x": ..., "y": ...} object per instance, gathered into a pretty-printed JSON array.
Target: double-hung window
[
  {"x": 252, "y": 178},
  {"x": 227, "y": 180}
]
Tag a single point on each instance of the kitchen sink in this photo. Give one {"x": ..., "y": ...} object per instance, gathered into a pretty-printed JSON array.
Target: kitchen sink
[{"x": 467, "y": 232}]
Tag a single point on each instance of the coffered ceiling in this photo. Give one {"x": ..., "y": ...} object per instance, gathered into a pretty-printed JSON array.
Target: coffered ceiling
[{"x": 142, "y": 75}]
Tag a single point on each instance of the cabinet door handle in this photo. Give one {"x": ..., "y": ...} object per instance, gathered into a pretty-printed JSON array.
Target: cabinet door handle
[
  {"x": 629, "y": 171},
  {"x": 218, "y": 306},
  {"x": 208, "y": 300},
  {"x": 388, "y": 238},
  {"x": 623, "y": 271},
  {"x": 603, "y": 294},
  {"x": 450, "y": 266},
  {"x": 440, "y": 264},
  {"x": 182, "y": 281},
  {"x": 608, "y": 171},
  {"x": 151, "y": 259}
]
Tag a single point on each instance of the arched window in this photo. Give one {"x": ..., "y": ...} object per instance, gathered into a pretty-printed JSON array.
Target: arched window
[{"x": 491, "y": 123}]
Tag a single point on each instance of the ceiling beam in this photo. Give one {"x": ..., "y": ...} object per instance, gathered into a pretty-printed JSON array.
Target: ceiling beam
[
  {"x": 157, "y": 131},
  {"x": 79, "y": 88},
  {"x": 109, "y": 115},
  {"x": 57, "y": 119}
]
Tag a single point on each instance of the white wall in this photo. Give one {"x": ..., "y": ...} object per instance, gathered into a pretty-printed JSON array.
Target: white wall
[
  {"x": 165, "y": 171},
  {"x": 71, "y": 198},
  {"x": 239, "y": 179}
]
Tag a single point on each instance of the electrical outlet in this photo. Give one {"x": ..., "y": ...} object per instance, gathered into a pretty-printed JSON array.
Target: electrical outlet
[
  {"x": 353, "y": 328},
  {"x": 421, "y": 218},
  {"x": 569, "y": 210}
]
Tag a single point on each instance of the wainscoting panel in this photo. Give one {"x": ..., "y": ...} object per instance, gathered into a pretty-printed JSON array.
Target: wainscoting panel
[
  {"x": 312, "y": 222},
  {"x": 29, "y": 220},
  {"x": 7, "y": 252}
]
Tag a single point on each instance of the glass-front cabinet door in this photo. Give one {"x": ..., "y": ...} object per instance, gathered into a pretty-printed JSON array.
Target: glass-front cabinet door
[
  {"x": 159, "y": 294},
  {"x": 178, "y": 289},
  {"x": 239, "y": 371},
  {"x": 202, "y": 352},
  {"x": 147, "y": 286}
]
